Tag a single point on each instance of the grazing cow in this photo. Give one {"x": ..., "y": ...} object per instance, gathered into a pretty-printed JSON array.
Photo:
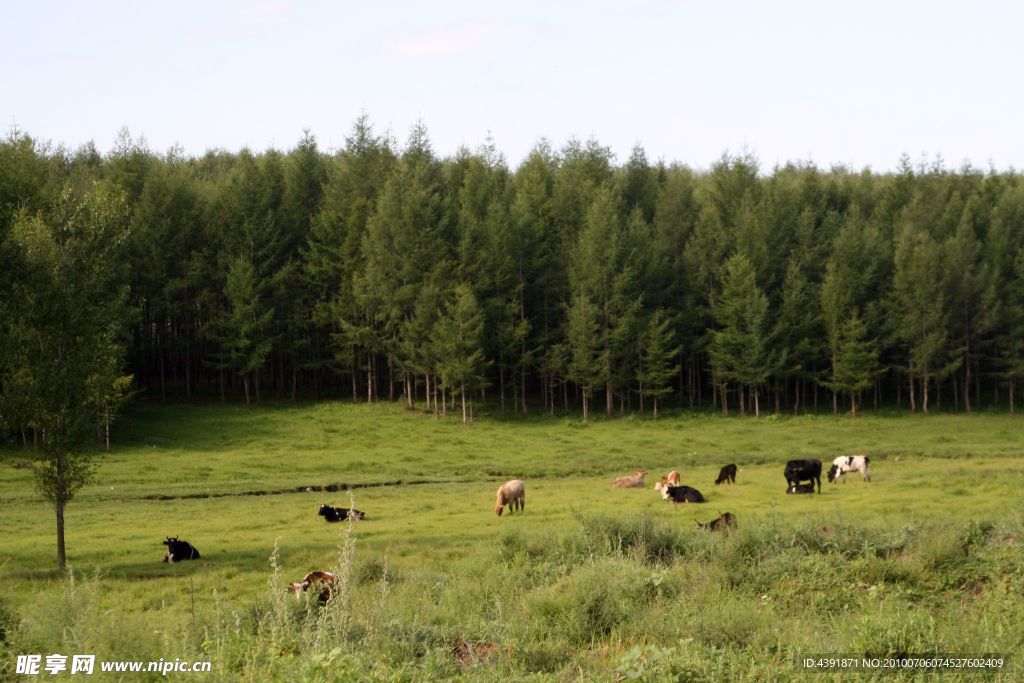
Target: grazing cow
[
  {"x": 339, "y": 514},
  {"x": 634, "y": 481},
  {"x": 803, "y": 470},
  {"x": 847, "y": 463},
  {"x": 802, "y": 488},
  {"x": 513, "y": 494},
  {"x": 726, "y": 474},
  {"x": 671, "y": 479},
  {"x": 325, "y": 580},
  {"x": 179, "y": 550},
  {"x": 723, "y": 523},
  {"x": 681, "y": 494}
]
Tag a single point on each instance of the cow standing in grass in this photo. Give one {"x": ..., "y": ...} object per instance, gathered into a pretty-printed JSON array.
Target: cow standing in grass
[
  {"x": 848, "y": 463},
  {"x": 513, "y": 494},
  {"x": 803, "y": 470}
]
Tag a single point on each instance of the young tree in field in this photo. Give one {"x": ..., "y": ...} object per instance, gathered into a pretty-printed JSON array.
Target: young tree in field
[
  {"x": 65, "y": 320},
  {"x": 739, "y": 351},
  {"x": 658, "y": 355},
  {"x": 586, "y": 365},
  {"x": 855, "y": 363},
  {"x": 457, "y": 343}
]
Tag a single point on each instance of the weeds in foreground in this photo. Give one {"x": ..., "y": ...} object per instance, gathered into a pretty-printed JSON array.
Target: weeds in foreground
[{"x": 622, "y": 597}]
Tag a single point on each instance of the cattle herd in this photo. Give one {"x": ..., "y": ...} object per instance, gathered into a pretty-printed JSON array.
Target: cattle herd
[{"x": 801, "y": 477}]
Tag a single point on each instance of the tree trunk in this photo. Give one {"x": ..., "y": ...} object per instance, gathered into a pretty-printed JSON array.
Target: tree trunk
[
  {"x": 584, "y": 405},
  {"x": 924, "y": 392},
  {"x": 609, "y": 400},
  {"x": 163, "y": 388},
  {"x": 245, "y": 384},
  {"x": 913, "y": 397},
  {"x": 757, "y": 402},
  {"x": 58, "y": 507},
  {"x": 655, "y": 408},
  {"x": 462, "y": 391},
  {"x": 967, "y": 377},
  {"x": 106, "y": 424},
  {"x": 743, "y": 404}
]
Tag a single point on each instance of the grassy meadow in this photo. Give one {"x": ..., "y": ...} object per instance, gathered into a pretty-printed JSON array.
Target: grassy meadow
[{"x": 591, "y": 583}]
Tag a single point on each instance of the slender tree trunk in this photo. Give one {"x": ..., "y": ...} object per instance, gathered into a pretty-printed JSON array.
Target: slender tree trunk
[
  {"x": 369, "y": 379},
  {"x": 501, "y": 382},
  {"x": 913, "y": 398},
  {"x": 924, "y": 392},
  {"x": 1012, "y": 388},
  {"x": 355, "y": 380},
  {"x": 757, "y": 402},
  {"x": 853, "y": 406},
  {"x": 655, "y": 408},
  {"x": 743, "y": 405},
  {"x": 609, "y": 399},
  {"x": 106, "y": 424},
  {"x": 295, "y": 381},
  {"x": 245, "y": 385},
  {"x": 163, "y": 387},
  {"x": 256, "y": 384},
  {"x": 967, "y": 377},
  {"x": 61, "y": 556},
  {"x": 462, "y": 391}
]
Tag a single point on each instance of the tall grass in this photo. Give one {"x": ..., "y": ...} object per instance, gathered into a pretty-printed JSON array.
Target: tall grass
[{"x": 625, "y": 597}]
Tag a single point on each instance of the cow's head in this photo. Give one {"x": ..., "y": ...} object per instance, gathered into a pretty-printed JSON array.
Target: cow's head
[
  {"x": 323, "y": 510},
  {"x": 833, "y": 472}
]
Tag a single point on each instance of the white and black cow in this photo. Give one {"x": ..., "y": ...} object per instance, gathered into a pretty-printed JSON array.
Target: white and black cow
[
  {"x": 179, "y": 550},
  {"x": 681, "y": 494},
  {"x": 803, "y": 470},
  {"x": 331, "y": 514},
  {"x": 848, "y": 463}
]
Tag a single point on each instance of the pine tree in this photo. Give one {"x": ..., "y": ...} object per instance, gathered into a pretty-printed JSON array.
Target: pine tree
[
  {"x": 856, "y": 361},
  {"x": 457, "y": 343},
  {"x": 739, "y": 350},
  {"x": 659, "y": 354}
]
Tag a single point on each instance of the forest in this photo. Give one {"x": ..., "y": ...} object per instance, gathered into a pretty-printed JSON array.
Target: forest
[{"x": 570, "y": 283}]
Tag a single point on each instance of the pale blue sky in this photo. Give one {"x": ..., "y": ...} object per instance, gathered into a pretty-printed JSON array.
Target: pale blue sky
[{"x": 858, "y": 82}]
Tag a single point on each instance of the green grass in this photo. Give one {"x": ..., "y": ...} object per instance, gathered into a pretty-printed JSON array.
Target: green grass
[{"x": 589, "y": 581}]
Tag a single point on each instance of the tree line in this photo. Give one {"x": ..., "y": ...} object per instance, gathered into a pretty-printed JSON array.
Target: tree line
[{"x": 569, "y": 283}]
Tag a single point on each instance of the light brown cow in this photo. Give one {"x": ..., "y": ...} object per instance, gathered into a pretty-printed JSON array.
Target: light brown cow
[
  {"x": 630, "y": 482},
  {"x": 513, "y": 494}
]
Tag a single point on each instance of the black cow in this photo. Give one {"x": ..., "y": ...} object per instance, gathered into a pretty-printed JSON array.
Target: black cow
[
  {"x": 179, "y": 550},
  {"x": 726, "y": 474},
  {"x": 801, "y": 488},
  {"x": 803, "y": 470},
  {"x": 682, "y": 494},
  {"x": 339, "y": 514}
]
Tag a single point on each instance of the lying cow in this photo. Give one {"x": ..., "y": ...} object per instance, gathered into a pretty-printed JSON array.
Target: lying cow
[
  {"x": 681, "y": 494},
  {"x": 722, "y": 523},
  {"x": 325, "y": 581},
  {"x": 803, "y": 470},
  {"x": 632, "y": 481},
  {"x": 179, "y": 550},
  {"x": 726, "y": 474},
  {"x": 848, "y": 463},
  {"x": 339, "y": 514},
  {"x": 802, "y": 488}
]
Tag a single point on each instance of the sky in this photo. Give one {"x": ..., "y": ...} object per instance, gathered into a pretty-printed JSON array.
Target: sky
[{"x": 853, "y": 83}]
